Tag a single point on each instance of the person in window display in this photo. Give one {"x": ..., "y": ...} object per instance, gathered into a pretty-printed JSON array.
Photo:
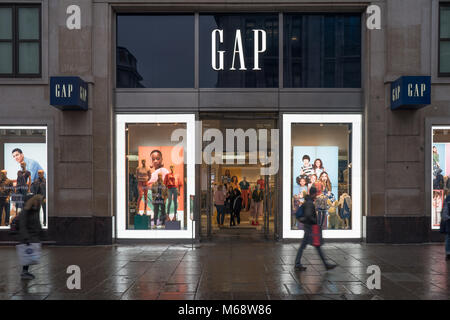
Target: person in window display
[
  {"x": 226, "y": 179},
  {"x": 6, "y": 188},
  {"x": 23, "y": 183},
  {"x": 307, "y": 169},
  {"x": 173, "y": 185},
  {"x": 159, "y": 196},
  {"x": 39, "y": 187},
  {"x": 318, "y": 167},
  {"x": 234, "y": 182},
  {"x": 143, "y": 174},
  {"x": 32, "y": 165},
  {"x": 324, "y": 179},
  {"x": 316, "y": 184}
]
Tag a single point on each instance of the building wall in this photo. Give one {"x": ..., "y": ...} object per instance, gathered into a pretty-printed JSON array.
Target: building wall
[{"x": 81, "y": 156}]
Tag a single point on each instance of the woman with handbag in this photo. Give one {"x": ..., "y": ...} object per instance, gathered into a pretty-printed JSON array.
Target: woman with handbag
[
  {"x": 313, "y": 231},
  {"x": 30, "y": 229},
  {"x": 445, "y": 226}
]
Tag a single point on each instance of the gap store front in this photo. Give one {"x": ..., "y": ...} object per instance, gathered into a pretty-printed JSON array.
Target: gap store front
[{"x": 268, "y": 103}]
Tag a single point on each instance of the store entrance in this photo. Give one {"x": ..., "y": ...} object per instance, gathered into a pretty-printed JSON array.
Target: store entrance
[{"x": 249, "y": 196}]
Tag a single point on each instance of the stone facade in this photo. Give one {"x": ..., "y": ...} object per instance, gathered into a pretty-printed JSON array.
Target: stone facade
[{"x": 81, "y": 152}]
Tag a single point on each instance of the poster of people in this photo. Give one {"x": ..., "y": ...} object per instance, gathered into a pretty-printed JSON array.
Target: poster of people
[
  {"x": 160, "y": 183},
  {"x": 318, "y": 166},
  {"x": 25, "y": 164},
  {"x": 441, "y": 183}
]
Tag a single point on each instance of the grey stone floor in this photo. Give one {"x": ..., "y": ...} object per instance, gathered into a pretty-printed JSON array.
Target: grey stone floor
[{"x": 230, "y": 269}]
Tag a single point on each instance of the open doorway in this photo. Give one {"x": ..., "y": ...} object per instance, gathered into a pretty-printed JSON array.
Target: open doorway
[{"x": 240, "y": 178}]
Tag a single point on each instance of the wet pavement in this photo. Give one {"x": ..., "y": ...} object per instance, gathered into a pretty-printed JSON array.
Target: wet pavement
[{"x": 230, "y": 268}]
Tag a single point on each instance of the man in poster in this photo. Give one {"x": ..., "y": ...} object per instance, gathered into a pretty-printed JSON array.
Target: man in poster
[{"x": 32, "y": 165}]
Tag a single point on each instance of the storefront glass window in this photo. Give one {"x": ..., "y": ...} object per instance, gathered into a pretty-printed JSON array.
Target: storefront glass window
[
  {"x": 323, "y": 152},
  {"x": 23, "y": 171},
  {"x": 156, "y": 176},
  {"x": 155, "y": 51},
  {"x": 322, "y": 50},
  {"x": 440, "y": 154},
  {"x": 240, "y": 38},
  {"x": 322, "y": 159},
  {"x": 155, "y": 159}
]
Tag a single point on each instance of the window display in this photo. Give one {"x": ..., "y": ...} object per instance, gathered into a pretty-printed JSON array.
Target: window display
[
  {"x": 23, "y": 170},
  {"x": 320, "y": 156},
  {"x": 160, "y": 195},
  {"x": 440, "y": 154},
  {"x": 157, "y": 170}
]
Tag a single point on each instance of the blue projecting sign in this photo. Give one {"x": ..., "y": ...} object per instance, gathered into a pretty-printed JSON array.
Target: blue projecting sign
[
  {"x": 68, "y": 93},
  {"x": 410, "y": 92}
]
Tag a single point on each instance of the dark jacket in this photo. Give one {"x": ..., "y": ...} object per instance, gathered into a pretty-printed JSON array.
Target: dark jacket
[
  {"x": 258, "y": 195},
  {"x": 237, "y": 202},
  {"x": 309, "y": 215},
  {"x": 30, "y": 226},
  {"x": 445, "y": 218}
]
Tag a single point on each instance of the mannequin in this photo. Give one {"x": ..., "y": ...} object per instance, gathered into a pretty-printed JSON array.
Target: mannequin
[
  {"x": 39, "y": 187},
  {"x": 245, "y": 186},
  {"x": 6, "y": 188},
  {"x": 261, "y": 183},
  {"x": 143, "y": 173},
  {"x": 159, "y": 196},
  {"x": 23, "y": 182},
  {"x": 257, "y": 197},
  {"x": 173, "y": 185}
]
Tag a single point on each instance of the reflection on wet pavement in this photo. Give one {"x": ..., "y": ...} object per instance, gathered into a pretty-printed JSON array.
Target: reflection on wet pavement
[{"x": 225, "y": 270}]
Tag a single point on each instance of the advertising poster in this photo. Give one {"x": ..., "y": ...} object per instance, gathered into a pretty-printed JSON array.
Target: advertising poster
[
  {"x": 327, "y": 155},
  {"x": 37, "y": 152},
  {"x": 160, "y": 163},
  {"x": 441, "y": 171}
]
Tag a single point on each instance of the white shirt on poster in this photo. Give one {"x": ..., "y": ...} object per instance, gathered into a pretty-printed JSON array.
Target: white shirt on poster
[{"x": 155, "y": 174}]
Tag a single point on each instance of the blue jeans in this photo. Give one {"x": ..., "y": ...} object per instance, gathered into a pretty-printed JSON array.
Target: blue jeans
[
  {"x": 173, "y": 193},
  {"x": 220, "y": 213},
  {"x": 447, "y": 243}
]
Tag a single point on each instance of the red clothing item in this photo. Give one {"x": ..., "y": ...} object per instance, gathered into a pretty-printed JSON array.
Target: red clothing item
[
  {"x": 171, "y": 181},
  {"x": 261, "y": 184}
]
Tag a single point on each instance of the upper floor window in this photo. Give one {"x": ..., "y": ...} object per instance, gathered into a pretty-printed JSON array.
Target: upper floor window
[
  {"x": 155, "y": 51},
  {"x": 322, "y": 50},
  {"x": 444, "y": 39},
  {"x": 20, "y": 41}
]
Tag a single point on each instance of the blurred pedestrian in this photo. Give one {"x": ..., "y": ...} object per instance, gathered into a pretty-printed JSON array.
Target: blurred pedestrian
[
  {"x": 237, "y": 205},
  {"x": 219, "y": 202},
  {"x": 309, "y": 220},
  {"x": 30, "y": 227},
  {"x": 445, "y": 225}
]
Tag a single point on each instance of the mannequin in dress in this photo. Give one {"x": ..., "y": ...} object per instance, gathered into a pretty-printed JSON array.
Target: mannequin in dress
[{"x": 143, "y": 173}]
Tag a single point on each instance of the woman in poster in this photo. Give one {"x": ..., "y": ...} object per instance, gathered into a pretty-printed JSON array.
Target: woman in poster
[
  {"x": 324, "y": 179},
  {"x": 316, "y": 184},
  {"x": 318, "y": 167}
]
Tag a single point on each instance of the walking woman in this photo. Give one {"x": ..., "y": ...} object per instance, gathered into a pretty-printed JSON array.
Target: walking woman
[
  {"x": 30, "y": 228},
  {"x": 237, "y": 206},
  {"x": 219, "y": 202},
  {"x": 229, "y": 203},
  {"x": 309, "y": 219}
]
